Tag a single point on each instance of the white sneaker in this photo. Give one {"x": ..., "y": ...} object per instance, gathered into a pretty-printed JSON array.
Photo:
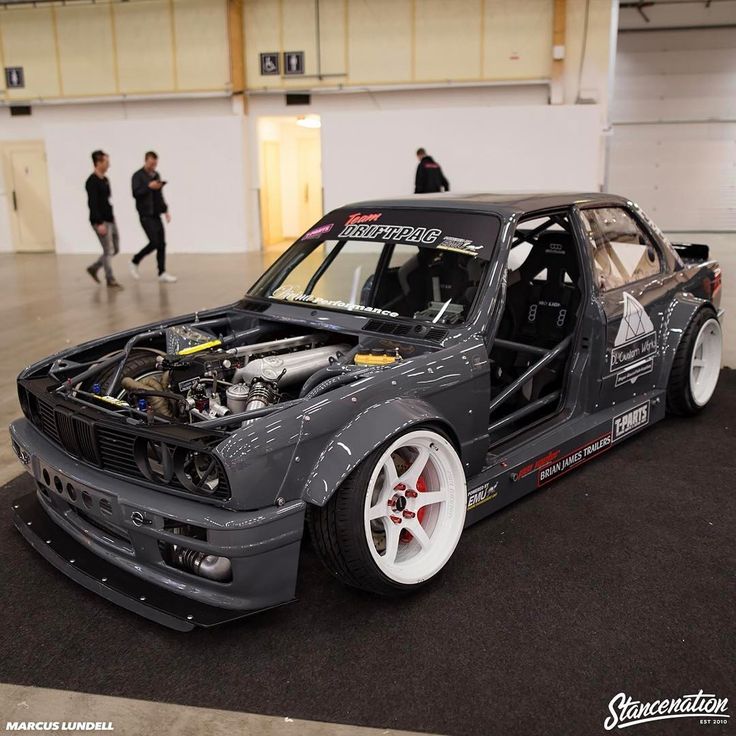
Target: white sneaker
[
  {"x": 134, "y": 270},
  {"x": 167, "y": 278}
]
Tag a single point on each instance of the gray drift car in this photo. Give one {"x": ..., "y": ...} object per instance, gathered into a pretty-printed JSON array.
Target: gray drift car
[{"x": 405, "y": 369}]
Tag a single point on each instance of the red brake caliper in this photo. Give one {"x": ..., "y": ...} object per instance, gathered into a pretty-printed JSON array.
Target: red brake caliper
[{"x": 406, "y": 535}]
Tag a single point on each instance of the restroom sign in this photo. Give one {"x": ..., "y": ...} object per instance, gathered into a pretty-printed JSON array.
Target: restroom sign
[
  {"x": 293, "y": 62},
  {"x": 14, "y": 77},
  {"x": 270, "y": 63}
]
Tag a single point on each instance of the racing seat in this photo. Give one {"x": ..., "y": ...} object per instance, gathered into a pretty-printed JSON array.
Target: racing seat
[
  {"x": 542, "y": 299},
  {"x": 438, "y": 276}
]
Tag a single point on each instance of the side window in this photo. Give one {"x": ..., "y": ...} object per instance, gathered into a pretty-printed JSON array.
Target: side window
[{"x": 622, "y": 252}]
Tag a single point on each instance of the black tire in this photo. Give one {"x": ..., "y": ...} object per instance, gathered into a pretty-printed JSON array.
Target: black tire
[
  {"x": 337, "y": 531},
  {"x": 138, "y": 364},
  {"x": 680, "y": 401}
]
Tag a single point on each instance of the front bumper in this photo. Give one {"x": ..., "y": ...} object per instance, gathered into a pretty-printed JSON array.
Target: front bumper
[{"x": 108, "y": 534}]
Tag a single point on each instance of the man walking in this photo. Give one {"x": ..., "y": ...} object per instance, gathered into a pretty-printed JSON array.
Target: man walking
[
  {"x": 150, "y": 203},
  {"x": 101, "y": 218},
  {"x": 429, "y": 175}
]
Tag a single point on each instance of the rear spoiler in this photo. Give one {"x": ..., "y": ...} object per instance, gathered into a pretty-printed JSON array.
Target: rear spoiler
[{"x": 692, "y": 252}]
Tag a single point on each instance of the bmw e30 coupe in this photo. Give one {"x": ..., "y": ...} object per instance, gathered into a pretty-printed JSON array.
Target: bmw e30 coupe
[{"x": 402, "y": 371}]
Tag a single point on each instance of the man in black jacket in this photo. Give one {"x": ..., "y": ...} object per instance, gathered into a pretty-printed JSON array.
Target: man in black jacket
[
  {"x": 429, "y": 175},
  {"x": 102, "y": 219},
  {"x": 149, "y": 201}
]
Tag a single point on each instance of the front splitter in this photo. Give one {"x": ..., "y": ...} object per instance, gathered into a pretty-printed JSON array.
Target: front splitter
[{"x": 125, "y": 590}]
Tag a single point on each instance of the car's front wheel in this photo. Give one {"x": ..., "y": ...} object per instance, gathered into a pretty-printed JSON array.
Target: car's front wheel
[{"x": 396, "y": 519}]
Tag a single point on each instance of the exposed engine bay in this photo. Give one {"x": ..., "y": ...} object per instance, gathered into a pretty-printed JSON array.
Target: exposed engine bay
[{"x": 194, "y": 374}]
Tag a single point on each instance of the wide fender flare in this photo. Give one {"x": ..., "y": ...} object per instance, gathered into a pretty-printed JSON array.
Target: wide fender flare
[
  {"x": 369, "y": 429},
  {"x": 679, "y": 314}
]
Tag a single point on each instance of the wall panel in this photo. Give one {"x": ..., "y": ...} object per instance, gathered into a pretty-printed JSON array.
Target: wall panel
[
  {"x": 332, "y": 21},
  {"x": 518, "y": 39},
  {"x": 448, "y": 39},
  {"x": 144, "y": 46},
  {"x": 28, "y": 41},
  {"x": 85, "y": 34},
  {"x": 379, "y": 41},
  {"x": 262, "y": 21},
  {"x": 202, "y": 55}
]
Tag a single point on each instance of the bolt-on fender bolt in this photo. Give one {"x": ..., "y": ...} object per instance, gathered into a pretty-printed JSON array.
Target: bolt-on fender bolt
[
  {"x": 395, "y": 519},
  {"x": 354, "y": 399},
  {"x": 104, "y": 580},
  {"x": 296, "y": 459},
  {"x": 190, "y": 617},
  {"x": 514, "y": 477},
  {"x": 280, "y": 501},
  {"x": 307, "y": 418},
  {"x": 409, "y": 514}
]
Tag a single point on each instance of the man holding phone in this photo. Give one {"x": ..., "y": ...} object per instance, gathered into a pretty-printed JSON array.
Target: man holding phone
[{"x": 149, "y": 201}]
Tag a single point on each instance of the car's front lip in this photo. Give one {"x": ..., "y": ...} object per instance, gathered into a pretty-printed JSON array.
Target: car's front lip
[{"x": 121, "y": 543}]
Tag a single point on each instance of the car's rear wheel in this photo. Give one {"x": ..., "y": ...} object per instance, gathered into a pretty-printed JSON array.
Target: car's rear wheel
[
  {"x": 396, "y": 519},
  {"x": 697, "y": 365}
]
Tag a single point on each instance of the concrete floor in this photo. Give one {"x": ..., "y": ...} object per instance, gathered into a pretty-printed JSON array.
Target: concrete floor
[
  {"x": 49, "y": 302},
  {"x": 140, "y": 717}
]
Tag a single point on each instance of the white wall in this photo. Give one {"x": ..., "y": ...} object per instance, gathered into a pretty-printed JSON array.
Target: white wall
[
  {"x": 674, "y": 120},
  {"x": 497, "y": 137},
  {"x": 200, "y": 145},
  {"x": 501, "y": 149}
]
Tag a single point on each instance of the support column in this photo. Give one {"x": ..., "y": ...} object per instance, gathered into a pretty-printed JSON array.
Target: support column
[{"x": 557, "y": 86}]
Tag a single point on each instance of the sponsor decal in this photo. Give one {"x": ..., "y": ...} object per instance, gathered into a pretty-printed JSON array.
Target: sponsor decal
[
  {"x": 459, "y": 245},
  {"x": 479, "y": 496},
  {"x": 630, "y": 374},
  {"x": 540, "y": 463},
  {"x": 625, "y": 711},
  {"x": 629, "y": 421},
  {"x": 316, "y": 232},
  {"x": 358, "y": 217},
  {"x": 635, "y": 340},
  {"x": 290, "y": 294},
  {"x": 573, "y": 459},
  {"x": 186, "y": 385},
  {"x": 397, "y": 233},
  {"x": 555, "y": 249}
]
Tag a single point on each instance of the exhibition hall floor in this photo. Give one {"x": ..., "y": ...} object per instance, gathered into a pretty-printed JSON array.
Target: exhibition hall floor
[{"x": 616, "y": 578}]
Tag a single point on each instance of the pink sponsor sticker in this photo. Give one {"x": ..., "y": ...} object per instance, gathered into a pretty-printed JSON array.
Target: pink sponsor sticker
[{"x": 316, "y": 232}]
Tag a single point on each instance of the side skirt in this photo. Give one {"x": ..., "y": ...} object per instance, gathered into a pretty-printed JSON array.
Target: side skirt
[{"x": 557, "y": 451}]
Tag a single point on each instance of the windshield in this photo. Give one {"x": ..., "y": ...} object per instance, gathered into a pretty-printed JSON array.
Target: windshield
[{"x": 411, "y": 263}]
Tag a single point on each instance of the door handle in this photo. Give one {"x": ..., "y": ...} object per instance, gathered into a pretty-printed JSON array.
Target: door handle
[{"x": 15, "y": 202}]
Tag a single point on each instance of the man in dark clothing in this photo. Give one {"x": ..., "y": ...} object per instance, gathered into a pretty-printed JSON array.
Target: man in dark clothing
[
  {"x": 429, "y": 175},
  {"x": 150, "y": 203},
  {"x": 101, "y": 218}
]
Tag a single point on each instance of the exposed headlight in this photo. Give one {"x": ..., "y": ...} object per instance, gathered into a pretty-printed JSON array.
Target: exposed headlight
[
  {"x": 195, "y": 471},
  {"x": 199, "y": 472}
]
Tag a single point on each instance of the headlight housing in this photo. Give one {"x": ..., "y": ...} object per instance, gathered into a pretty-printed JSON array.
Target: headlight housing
[{"x": 196, "y": 471}]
